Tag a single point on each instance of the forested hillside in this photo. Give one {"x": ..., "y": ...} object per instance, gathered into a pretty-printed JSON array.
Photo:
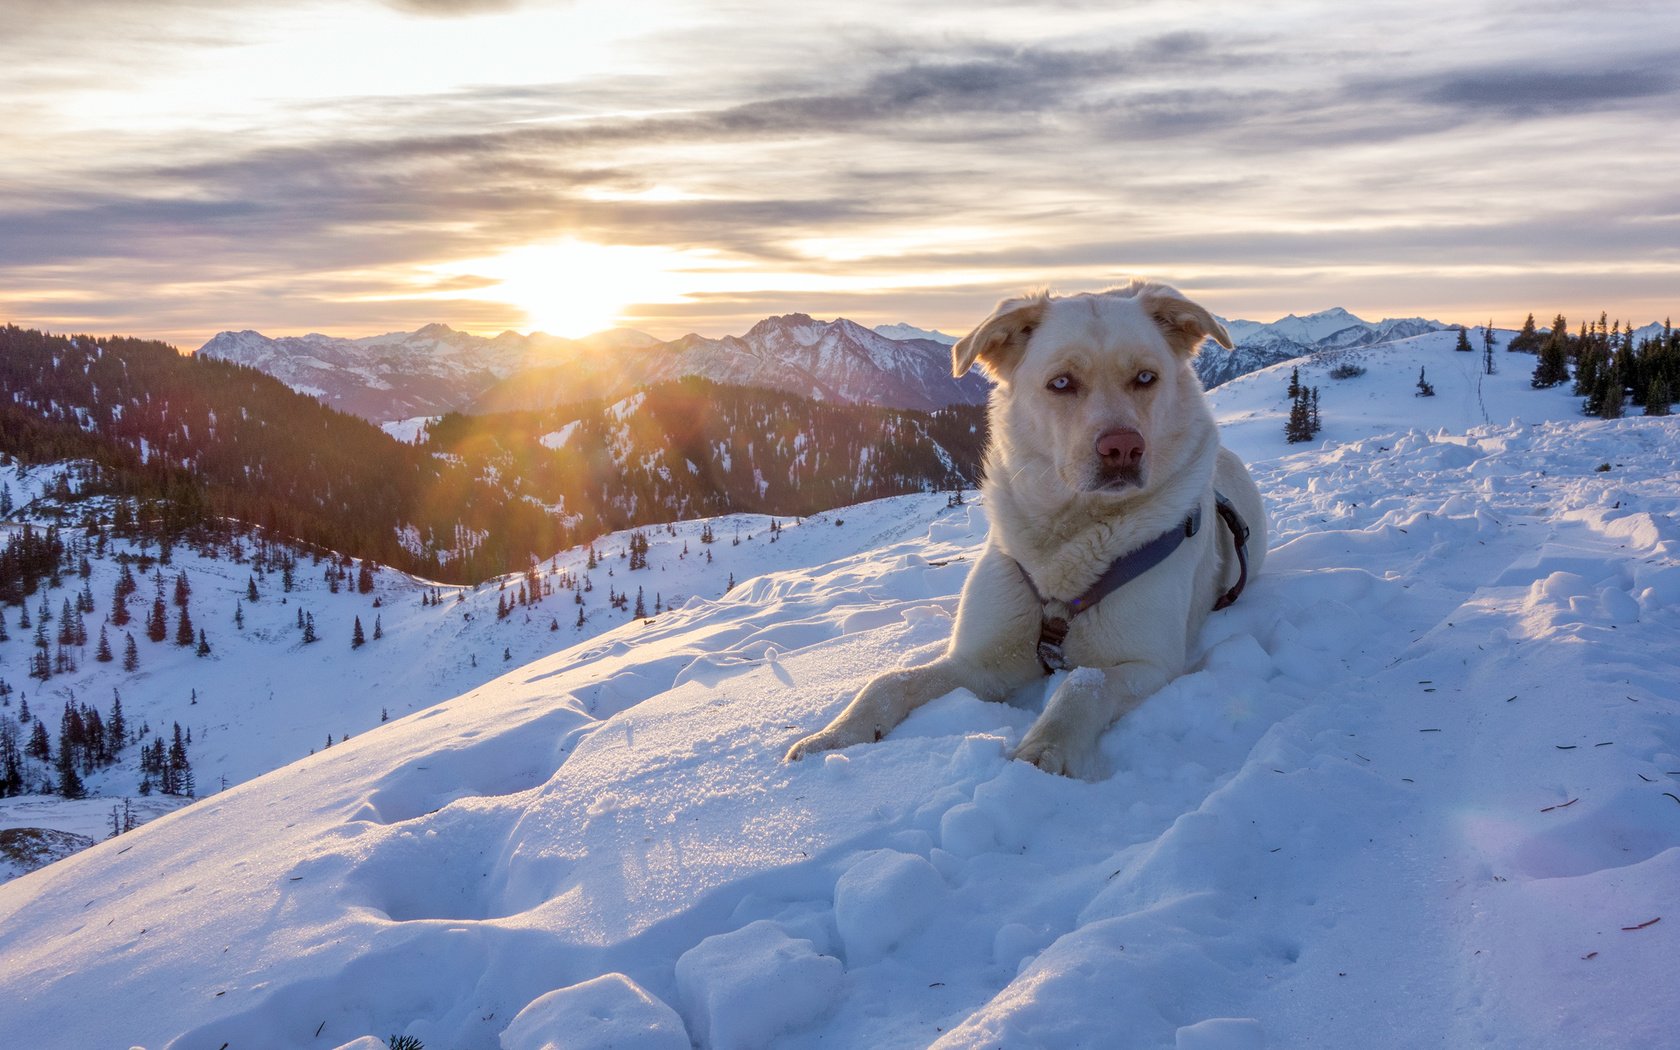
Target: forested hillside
[
  {"x": 183, "y": 443},
  {"x": 694, "y": 448}
]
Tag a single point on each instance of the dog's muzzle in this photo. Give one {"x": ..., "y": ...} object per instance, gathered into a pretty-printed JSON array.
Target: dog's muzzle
[{"x": 1119, "y": 459}]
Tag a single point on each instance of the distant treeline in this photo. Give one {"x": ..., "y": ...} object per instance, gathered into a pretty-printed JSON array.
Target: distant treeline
[{"x": 1612, "y": 367}]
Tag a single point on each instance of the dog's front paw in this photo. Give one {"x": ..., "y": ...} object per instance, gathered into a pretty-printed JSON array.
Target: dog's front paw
[
  {"x": 839, "y": 733},
  {"x": 1055, "y": 754}
]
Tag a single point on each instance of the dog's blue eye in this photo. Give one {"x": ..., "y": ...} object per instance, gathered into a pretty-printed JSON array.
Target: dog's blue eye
[
  {"x": 1062, "y": 384},
  {"x": 1145, "y": 378}
]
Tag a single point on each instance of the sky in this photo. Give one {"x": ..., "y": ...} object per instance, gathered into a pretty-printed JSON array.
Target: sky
[{"x": 174, "y": 168}]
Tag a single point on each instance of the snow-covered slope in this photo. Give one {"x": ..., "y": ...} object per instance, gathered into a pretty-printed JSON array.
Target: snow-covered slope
[
  {"x": 1418, "y": 789},
  {"x": 263, "y": 698},
  {"x": 1261, "y": 344},
  {"x": 1252, "y": 408}
]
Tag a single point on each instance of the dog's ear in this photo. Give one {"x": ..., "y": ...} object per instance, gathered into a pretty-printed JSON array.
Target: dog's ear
[
  {"x": 1184, "y": 323},
  {"x": 998, "y": 342}
]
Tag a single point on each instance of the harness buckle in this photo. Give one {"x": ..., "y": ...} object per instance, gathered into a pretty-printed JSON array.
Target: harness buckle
[{"x": 1052, "y": 632}]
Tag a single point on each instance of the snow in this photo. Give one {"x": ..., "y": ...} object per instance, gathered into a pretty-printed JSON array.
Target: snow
[
  {"x": 557, "y": 439},
  {"x": 1252, "y": 407},
  {"x": 409, "y": 431},
  {"x": 906, "y": 331},
  {"x": 1417, "y": 789},
  {"x": 263, "y": 699},
  {"x": 603, "y": 1013}
]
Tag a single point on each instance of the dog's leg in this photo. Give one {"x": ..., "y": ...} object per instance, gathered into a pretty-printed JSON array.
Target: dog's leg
[
  {"x": 991, "y": 655},
  {"x": 886, "y": 701},
  {"x": 1064, "y": 739}
]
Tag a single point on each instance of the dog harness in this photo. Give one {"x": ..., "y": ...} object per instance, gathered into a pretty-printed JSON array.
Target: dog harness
[{"x": 1053, "y": 626}]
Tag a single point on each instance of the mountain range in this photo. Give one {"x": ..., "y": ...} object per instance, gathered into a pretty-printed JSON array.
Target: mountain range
[
  {"x": 436, "y": 369},
  {"x": 1259, "y": 345}
]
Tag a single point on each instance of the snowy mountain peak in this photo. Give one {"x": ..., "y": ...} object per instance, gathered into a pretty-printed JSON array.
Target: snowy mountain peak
[
  {"x": 907, "y": 331},
  {"x": 1334, "y": 313}
]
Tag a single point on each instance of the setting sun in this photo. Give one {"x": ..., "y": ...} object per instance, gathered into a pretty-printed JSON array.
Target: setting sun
[{"x": 574, "y": 288}]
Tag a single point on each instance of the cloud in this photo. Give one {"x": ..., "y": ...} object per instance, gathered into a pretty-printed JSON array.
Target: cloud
[
  {"x": 984, "y": 146},
  {"x": 453, "y": 8},
  {"x": 1528, "y": 91}
]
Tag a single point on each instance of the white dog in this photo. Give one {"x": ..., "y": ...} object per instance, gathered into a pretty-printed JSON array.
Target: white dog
[{"x": 1117, "y": 521}]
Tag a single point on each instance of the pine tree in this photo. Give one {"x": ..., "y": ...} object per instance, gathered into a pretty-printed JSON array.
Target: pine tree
[
  {"x": 183, "y": 589},
  {"x": 364, "y": 578},
  {"x": 641, "y": 608},
  {"x": 11, "y": 762},
  {"x": 179, "y": 766},
  {"x": 39, "y": 747},
  {"x": 1425, "y": 388},
  {"x": 157, "y": 624},
  {"x": 69, "y": 780},
  {"x": 378, "y": 627},
  {"x": 1552, "y": 365},
  {"x": 131, "y": 655},
  {"x": 1295, "y": 382},
  {"x": 1658, "y": 401},
  {"x": 184, "y": 633},
  {"x": 1526, "y": 341},
  {"x": 1605, "y": 402},
  {"x": 238, "y": 615},
  {"x": 251, "y": 594},
  {"x": 66, "y": 627},
  {"x": 1298, "y": 427},
  {"x": 1587, "y": 367},
  {"x": 357, "y": 640},
  {"x": 1463, "y": 345},
  {"x": 117, "y": 726},
  {"x": 1487, "y": 348},
  {"x": 104, "y": 654},
  {"x": 309, "y": 628},
  {"x": 203, "y": 643}
]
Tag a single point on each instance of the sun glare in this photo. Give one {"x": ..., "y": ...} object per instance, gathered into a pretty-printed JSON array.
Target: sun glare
[{"x": 575, "y": 288}]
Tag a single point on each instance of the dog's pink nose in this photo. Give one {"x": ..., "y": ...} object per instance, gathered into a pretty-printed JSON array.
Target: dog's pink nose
[{"x": 1121, "y": 448}]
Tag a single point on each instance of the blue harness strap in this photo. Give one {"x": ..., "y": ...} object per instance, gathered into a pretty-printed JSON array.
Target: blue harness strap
[{"x": 1053, "y": 630}]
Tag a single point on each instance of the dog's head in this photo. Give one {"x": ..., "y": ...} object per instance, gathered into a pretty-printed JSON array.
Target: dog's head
[{"x": 1099, "y": 384}]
